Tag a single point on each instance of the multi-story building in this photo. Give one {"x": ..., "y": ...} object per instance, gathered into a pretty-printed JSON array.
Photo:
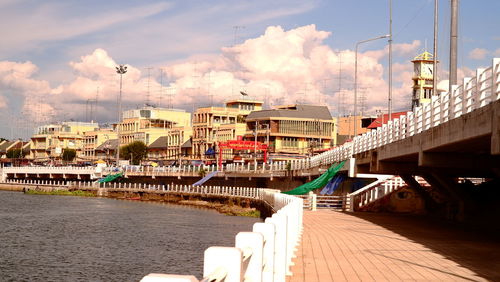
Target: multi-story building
[
  {"x": 217, "y": 124},
  {"x": 148, "y": 124},
  {"x": 95, "y": 138},
  {"x": 293, "y": 129},
  {"x": 49, "y": 141},
  {"x": 174, "y": 145}
]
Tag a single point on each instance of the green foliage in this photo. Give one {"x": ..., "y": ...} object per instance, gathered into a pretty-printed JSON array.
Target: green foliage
[
  {"x": 68, "y": 155},
  {"x": 252, "y": 213},
  {"x": 135, "y": 152},
  {"x": 15, "y": 154},
  {"x": 202, "y": 172},
  {"x": 62, "y": 193}
]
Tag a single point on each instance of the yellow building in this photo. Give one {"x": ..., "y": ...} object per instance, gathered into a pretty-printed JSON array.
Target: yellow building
[
  {"x": 93, "y": 139},
  {"x": 148, "y": 124},
  {"x": 217, "y": 124},
  {"x": 49, "y": 141},
  {"x": 296, "y": 130},
  {"x": 174, "y": 146},
  {"x": 423, "y": 79}
]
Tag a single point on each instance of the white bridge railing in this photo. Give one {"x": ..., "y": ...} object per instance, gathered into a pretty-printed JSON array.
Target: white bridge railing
[
  {"x": 474, "y": 93},
  {"x": 265, "y": 254},
  {"x": 377, "y": 190}
]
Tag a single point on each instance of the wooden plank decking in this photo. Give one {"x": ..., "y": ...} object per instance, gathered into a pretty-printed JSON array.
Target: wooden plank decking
[{"x": 338, "y": 246}]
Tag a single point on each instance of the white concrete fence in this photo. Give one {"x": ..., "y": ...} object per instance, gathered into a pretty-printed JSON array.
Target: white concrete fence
[
  {"x": 378, "y": 189},
  {"x": 265, "y": 254},
  {"x": 244, "y": 192}
]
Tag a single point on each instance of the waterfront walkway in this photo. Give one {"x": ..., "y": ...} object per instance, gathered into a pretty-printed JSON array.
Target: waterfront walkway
[{"x": 339, "y": 246}]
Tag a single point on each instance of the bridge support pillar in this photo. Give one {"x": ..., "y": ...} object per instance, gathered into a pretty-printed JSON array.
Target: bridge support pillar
[
  {"x": 456, "y": 204},
  {"x": 495, "y": 132},
  {"x": 430, "y": 203}
]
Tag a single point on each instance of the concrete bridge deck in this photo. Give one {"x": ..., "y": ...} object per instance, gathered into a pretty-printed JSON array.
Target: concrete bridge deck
[{"x": 339, "y": 246}]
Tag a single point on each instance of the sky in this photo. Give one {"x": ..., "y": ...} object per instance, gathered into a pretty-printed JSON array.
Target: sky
[{"x": 58, "y": 58}]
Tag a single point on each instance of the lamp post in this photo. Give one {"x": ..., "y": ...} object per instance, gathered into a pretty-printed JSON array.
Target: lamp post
[
  {"x": 121, "y": 69},
  {"x": 356, "y": 77}
]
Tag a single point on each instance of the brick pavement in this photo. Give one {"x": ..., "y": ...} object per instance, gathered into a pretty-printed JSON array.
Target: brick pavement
[{"x": 385, "y": 247}]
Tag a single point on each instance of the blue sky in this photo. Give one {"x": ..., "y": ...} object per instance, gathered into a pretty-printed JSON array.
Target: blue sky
[{"x": 42, "y": 68}]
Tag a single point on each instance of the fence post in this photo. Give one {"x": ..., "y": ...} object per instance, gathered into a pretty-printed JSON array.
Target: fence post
[
  {"x": 254, "y": 242},
  {"x": 229, "y": 259},
  {"x": 268, "y": 231}
]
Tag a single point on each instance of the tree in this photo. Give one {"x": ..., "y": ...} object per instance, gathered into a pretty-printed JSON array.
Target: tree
[
  {"x": 15, "y": 153},
  {"x": 135, "y": 152},
  {"x": 68, "y": 155}
]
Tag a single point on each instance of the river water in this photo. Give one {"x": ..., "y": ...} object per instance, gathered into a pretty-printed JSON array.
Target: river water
[{"x": 64, "y": 238}]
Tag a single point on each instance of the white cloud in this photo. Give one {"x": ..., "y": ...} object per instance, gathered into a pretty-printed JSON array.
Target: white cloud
[
  {"x": 279, "y": 67},
  {"x": 478, "y": 53}
]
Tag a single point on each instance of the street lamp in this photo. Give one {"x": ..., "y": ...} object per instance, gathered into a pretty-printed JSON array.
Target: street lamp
[
  {"x": 356, "y": 77},
  {"x": 121, "y": 69}
]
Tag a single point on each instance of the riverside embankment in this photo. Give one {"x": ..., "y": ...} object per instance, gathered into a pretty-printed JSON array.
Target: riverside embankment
[{"x": 226, "y": 200}]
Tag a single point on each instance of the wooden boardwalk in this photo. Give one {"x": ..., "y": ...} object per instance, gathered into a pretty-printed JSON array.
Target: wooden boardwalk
[{"x": 339, "y": 246}]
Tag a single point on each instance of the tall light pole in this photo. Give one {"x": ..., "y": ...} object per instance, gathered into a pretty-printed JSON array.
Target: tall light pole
[
  {"x": 453, "y": 43},
  {"x": 389, "y": 100},
  {"x": 435, "y": 51},
  {"x": 121, "y": 70},
  {"x": 356, "y": 78}
]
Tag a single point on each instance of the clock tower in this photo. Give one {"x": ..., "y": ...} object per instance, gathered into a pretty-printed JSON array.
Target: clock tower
[{"x": 423, "y": 77}]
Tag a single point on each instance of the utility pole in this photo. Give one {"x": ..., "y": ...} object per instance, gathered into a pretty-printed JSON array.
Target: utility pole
[
  {"x": 255, "y": 148},
  {"x": 435, "y": 51},
  {"x": 389, "y": 105},
  {"x": 453, "y": 43},
  {"x": 148, "y": 93}
]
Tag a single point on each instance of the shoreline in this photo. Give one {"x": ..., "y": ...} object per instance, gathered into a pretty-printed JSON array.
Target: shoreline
[{"x": 232, "y": 206}]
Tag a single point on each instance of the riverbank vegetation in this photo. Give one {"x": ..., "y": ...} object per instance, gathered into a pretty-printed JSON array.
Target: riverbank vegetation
[{"x": 61, "y": 193}]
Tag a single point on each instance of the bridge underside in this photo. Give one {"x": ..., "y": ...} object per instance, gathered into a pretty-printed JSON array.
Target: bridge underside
[{"x": 468, "y": 147}]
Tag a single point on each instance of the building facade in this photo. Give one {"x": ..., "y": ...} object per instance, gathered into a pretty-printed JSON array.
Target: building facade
[
  {"x": 148, "y": 124},
  {"x": 49, "y": 141},
  {"x": 293, "y": 130},
  {"x": 93, "y": 139},
  {"x": 217, "y": 124}
]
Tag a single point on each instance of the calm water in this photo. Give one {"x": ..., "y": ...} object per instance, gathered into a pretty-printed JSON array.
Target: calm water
[{"x": 61, "y": 238}]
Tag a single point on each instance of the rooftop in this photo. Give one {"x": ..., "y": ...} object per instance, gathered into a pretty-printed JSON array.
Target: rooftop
[{"x": 294, "y": 111}]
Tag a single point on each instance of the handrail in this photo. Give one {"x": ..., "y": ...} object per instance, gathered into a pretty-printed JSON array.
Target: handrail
[{"x": 265, "y": 254}]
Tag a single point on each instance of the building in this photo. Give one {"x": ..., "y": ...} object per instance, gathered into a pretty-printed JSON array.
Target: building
[
  {"x": 345, "y": 127},
  {"x": 384, "y": 119},
  {"x": 148, "y": 124},
  {"x": 95, "y": 138},
  {"x": 293, "y": 129},
  {"x": 175, "y": 146},
  {"x": 106, "y": 151},
  {"x": 50, "y": 140},
  {"x": 217, "y": 124},
  {"x": 423, "y": 78}
]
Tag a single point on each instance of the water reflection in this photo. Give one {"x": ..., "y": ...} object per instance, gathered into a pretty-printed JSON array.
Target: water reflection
[{"x": 55, "y": 238}]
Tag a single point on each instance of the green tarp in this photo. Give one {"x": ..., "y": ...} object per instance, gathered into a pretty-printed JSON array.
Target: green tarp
[
  {"x": 319, "y": 182},
  {"x": 110, "y": 177}
]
